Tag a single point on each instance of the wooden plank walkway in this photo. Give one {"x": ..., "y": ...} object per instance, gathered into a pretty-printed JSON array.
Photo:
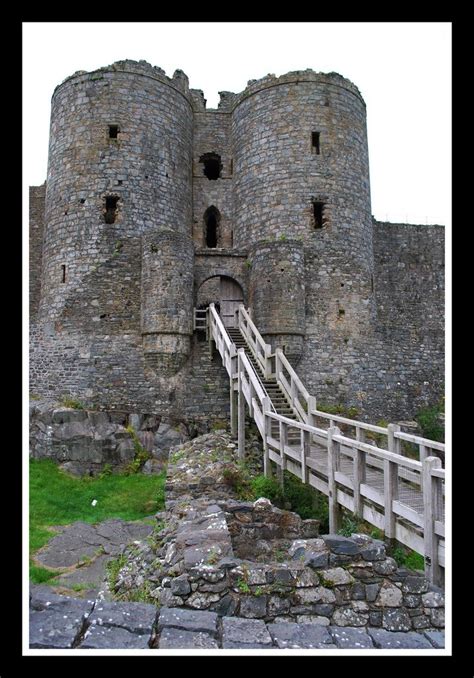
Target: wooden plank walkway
[{"x": 400, "y": 495}]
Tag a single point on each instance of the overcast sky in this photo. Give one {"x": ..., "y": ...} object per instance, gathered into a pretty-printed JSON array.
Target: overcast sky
[{"x": 403, "y": 71}]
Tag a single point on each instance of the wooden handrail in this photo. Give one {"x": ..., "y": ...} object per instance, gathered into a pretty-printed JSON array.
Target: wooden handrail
[
  {"x": 351, "y": 422},
  {"x": 217, "y": 320},
  {"x": 418, "y": 440},
  {"x": 383, "y": 507}
]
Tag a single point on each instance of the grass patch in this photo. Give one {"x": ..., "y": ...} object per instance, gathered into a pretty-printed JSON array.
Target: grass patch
[
  {"x": 40, "y": 575},
  {"x": 72, "y": 403},
  {"x": 428, "y": 420},
  {"x": 407, "y": 558},
  {"x": 59, "y": 499}
]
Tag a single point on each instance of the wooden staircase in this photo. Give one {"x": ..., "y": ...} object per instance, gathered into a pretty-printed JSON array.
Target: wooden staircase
[{"x": 274, "y": 392}]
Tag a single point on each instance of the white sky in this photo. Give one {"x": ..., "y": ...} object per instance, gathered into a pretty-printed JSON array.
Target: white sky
[{"x": 403, "y": 71}]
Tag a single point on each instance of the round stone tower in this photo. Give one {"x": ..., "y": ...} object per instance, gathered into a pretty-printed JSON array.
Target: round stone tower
[
  {"x": 301, "y": 173},
  {"x": 119, "y": 169}
]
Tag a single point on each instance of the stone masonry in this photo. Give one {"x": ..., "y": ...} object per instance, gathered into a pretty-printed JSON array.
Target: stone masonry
[
  {"x": 220, "y": 573},
  {"x": 152, "y": 202}
]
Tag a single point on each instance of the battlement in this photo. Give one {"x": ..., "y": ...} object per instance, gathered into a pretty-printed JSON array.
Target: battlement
[{"x": 179, "y": 80}]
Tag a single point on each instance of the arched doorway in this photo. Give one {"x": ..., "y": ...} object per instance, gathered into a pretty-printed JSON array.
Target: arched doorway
[{"x": 225, "y": 293}]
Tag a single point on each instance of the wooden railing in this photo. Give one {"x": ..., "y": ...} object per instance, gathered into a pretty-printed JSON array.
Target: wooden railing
[
  {"x": 299, "y": 398},
  {"x": 374, "y": 480},
  {"x": 224, "y": 345},
  {"x": 261, "y": 351},
  {"x": 348, "y": 476}
]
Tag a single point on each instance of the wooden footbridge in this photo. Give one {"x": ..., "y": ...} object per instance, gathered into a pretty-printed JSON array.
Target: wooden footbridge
[{"x": 358, "y": 466}]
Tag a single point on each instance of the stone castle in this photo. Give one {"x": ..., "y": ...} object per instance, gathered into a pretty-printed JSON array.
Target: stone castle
[{"x": 154, "y": 206}]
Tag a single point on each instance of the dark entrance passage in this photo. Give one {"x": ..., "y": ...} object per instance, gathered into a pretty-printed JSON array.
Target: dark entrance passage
[{"x": 225, "y": 293}]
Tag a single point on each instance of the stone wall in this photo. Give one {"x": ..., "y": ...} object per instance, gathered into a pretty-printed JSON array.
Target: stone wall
[
  {"x": 250, "y": 559},
  {"x": 212, "y": 135},
  {"x": 357, "y": 304},
  {"x": 37, "y": 197}
]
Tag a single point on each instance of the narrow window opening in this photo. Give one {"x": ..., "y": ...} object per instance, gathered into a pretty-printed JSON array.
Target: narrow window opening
[
  {"x": 232, "y": 165},
  {"x": 232, "y": 238},
  {"x": 342, "y": 313},
  {"x": 212, "y": 219},
  {"x": 111, "y": 208},
  {"x": 63, "y": 273},
  {"x": 371, "y": 283},
  {"x": 315, "y": 142},
  {"x": 212, "y": 165},
  {"x": 82, "y": 201},
  {"x": 318, "y": 208},
  {"x": 113, "y": 131}
]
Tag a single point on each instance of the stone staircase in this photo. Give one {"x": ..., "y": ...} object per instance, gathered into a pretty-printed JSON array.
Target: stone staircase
[{"x": 275, "y": 393}]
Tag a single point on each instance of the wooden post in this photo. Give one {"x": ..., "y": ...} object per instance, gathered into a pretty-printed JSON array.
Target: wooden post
[
  {"x": 431, "y": 505},
  {"x": 233, "y": 408},
  {"x": 241, "y": 409},
  {"x": 305, "y": 450},
  {"x": 293, "y": 391},
  {"x": 268, "y": 362},
  {"x": 310, "y": 418},
  {"x": 332, "y": 467},
  {"x": 211, "y": 346},
  {"x": 390, "y": 483},
  {"x": 283, "y": 441},
  {"x": 277, "y": 364},
  {"x": 423, "y": 456},
  {"x": 359, "y": 472},
  {"x": 267, "y": 422}
]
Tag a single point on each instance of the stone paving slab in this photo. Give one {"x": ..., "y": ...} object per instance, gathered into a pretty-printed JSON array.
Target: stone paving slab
[
  {"x": 436, "y": 638},
  {"x": 397, "y": 639},
  {"x": 138, "y": 618},
  {"x": 108, "y": 637},
  {"x": 65, "y": 622},
  {"x": 75, "y": 542},
  {"x": 42, "y": 597},
  {"x": 172, "y": 638},
  {"x": 250, "y": 633},
  {"x": 300, "y": 636},
  {"x": 188, "y": 620},
  {"x": 349, "y": 638},
  {"x": 54, "y": 628}
]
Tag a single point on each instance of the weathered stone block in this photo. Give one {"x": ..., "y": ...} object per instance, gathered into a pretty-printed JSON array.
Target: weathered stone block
[
  {"x": 109, "y": 637},
  {"x": 189, "y": 620},
  {"x": 340, "y": 545},
  {"x": 307, "y": 636},
  {"x": 396, "y": 620},
  {"x": 388, "y": 640},
  {"x": 347, "y": 638},
  {"x": 254, "y": 607},
  {"x": 244, "y": 633},
  {"x": 389, "y": 596},
  {"x": 174, "y": 638}
]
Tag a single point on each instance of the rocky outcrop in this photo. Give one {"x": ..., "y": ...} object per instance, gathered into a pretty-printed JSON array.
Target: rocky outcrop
[{"x": 85, "y": 441}]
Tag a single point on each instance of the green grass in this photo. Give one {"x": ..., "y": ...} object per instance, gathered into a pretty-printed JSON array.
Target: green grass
[
  {"x": 407, "y": 558},
  {"x": 59, "y": 499},
  {"x": 429, "y": 422}
]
